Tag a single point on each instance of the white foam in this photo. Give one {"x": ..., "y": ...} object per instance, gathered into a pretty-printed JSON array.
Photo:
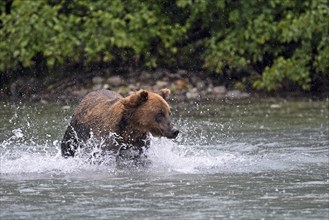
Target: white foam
[
  {"x": 165, "y": 156},
  {"x": 22, "y": 159}
]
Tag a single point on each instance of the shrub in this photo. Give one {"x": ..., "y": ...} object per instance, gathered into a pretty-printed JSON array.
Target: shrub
[{"x": 266, "y": 44}]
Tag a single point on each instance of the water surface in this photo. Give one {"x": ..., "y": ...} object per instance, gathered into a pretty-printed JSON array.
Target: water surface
[{"x": 250, "y": 159}]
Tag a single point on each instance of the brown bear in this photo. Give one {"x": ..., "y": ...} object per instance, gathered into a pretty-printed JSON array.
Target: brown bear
[{"x": 119, "y": 123}]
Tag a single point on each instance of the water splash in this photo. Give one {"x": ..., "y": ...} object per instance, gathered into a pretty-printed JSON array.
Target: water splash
[
  {"x": 31, "y": 146},
  {"x": 165, "y": 156}
]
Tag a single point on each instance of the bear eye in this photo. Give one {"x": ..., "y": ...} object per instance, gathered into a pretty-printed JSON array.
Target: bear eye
[{"x": 159, "y": 116}]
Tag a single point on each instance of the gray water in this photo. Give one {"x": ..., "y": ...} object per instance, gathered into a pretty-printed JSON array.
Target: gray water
[{"x": 247, "y": 159}]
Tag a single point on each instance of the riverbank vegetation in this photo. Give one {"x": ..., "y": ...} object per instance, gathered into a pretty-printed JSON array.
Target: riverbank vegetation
[{"x": 265, "y": 45}]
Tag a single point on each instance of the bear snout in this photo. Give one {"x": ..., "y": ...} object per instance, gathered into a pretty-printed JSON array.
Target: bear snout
[
  {"x": 176, "y": 132},
  {"x": 173, "y": 134}
]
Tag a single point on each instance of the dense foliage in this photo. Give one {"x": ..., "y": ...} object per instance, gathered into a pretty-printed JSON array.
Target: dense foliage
[{"x": 264, "y": 44}]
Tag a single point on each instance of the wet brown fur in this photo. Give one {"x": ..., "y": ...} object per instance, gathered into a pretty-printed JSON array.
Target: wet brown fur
[{"x": 132, "y": 118}]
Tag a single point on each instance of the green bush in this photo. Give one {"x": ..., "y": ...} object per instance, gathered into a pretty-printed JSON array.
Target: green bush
[
  {"x": 267, "y": 44},
  {"x": 85, "y": 31},
  {"x": 273, "y": 42}
]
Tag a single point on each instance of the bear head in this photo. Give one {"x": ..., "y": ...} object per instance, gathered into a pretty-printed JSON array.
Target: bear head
[{"x": 149, "y": 112}]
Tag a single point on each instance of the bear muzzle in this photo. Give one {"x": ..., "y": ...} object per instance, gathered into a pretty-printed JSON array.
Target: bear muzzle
[{"x": 173, "y": 133}]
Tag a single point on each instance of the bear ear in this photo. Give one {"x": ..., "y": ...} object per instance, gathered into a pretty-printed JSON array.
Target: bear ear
[
  {"x": 137, "y": 98},
  {"x": 143, "y": 96},
  {"x": 165, "y": 93}
]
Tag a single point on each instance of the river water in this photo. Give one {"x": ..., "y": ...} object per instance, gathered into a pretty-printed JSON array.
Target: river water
[{"x": 246, "y": 159}]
